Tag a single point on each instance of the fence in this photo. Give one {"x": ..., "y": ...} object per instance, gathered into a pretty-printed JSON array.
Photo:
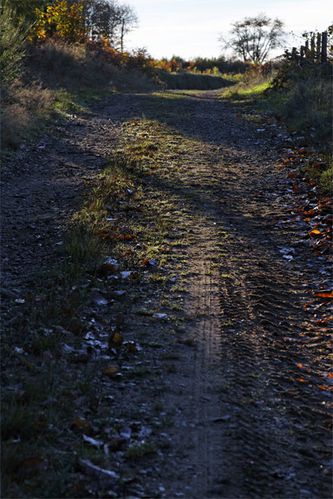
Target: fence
[{"x": 315, "y": 49}]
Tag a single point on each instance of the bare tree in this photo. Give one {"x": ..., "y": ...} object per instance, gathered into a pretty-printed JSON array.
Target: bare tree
[
  {"x": 128, "y": 21},
  {"x": 254, "y": 37},
  {"x": 109, "y": 19}
]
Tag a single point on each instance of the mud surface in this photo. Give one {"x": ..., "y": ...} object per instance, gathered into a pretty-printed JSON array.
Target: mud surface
[{"x": 251, "y": 400}]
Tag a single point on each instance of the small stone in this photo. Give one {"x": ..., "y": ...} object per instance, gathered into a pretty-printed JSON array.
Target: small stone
[
  {"x": 160, "y": 316},
  {"x": 20, "y": 301},
  {"x": 126, "y": 274}
]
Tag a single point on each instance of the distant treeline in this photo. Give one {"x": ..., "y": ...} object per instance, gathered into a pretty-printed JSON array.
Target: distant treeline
[{"x": 213, "y": 65}]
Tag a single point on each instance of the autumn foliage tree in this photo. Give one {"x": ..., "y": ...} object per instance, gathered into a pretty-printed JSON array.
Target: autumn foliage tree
[
  {"x": 254, "y": 37},
  {"x": 61, "y": 19},
  {"x": 79, "y": 20}
]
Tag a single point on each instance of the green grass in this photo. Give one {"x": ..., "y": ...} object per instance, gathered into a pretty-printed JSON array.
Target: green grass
[
  {"x": 76, "y": 101},
  {"x": 246, "y": 91},
  {"x": 303, "y": 104},
  {"x": 326, "y": 180},
  {"x": 321, "y": 173},
  {"x": 66, "y": 103}
]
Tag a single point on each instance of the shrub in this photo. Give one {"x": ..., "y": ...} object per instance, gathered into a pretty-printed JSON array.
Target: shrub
[
  {"x": 86, "y": 66},
  {"x": 306, "y": 100},
  {"x": 11, "y": 47}
]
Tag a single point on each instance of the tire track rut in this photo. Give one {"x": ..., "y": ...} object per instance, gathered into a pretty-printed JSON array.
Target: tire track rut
[{"x": 250, "y": 422}]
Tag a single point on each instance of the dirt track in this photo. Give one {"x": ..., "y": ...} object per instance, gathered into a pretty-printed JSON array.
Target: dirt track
[{"x": 250, "y": 401}]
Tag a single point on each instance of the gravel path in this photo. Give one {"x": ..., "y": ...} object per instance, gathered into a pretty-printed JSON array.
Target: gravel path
[{"x": 251, "y": 399}]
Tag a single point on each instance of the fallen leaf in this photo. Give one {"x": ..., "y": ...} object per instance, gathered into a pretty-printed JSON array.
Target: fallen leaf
[
  {"x": 324, "y": 294},
  {"x": 110, "y": 265},
  {"x": 112, "y": 371},
  {"x": 81, "y": 424},
  {"x": 314, "y": 232},
  {"x": 30, "y": 464},
  {"x": 124, "y": 237},
  {"x": 116, "y": 340},
  {"x": 153, "y": 262},
  {"x": 325, "y": 388}
]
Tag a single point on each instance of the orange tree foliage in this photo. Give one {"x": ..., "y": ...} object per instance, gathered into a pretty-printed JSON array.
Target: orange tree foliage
[
  {"x": 173, "y": 65},
  {"x": 136, "y": 59},
  {"x": 62, "y": 20}
]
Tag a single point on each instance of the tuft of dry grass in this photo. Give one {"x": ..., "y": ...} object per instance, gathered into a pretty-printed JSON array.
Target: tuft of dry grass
[{"x": 24, "y": 106}]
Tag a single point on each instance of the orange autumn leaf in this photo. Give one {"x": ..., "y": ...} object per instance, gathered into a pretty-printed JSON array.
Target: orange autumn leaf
[
  {"x": 324, "y": 294},
  {"x": 314, "y": 232},
  {"x": 325, "y": 388}
]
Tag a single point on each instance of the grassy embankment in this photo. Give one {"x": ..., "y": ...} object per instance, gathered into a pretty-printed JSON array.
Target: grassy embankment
[
  {"x": 58, "y": 78},
  {"x": 301, "y": 99},
  {"x": 43, "y": 81}
]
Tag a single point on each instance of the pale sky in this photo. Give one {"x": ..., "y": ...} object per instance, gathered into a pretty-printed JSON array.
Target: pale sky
[{"x": 191, "y": 28}]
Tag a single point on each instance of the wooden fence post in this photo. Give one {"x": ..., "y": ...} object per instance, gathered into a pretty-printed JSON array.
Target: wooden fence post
[
  {"x": 313, "y": 47},
  {"x": 318, "y": 51},
  {"x": 324, "y": 41},
  {"x": 294, "y": 55}
]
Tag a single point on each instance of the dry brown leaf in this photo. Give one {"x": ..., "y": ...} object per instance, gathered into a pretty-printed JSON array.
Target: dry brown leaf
[
  {"x": 116, "y": 340},
  {"x": 111, "y": 371},
  {"x": 81, "y": 424}
]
